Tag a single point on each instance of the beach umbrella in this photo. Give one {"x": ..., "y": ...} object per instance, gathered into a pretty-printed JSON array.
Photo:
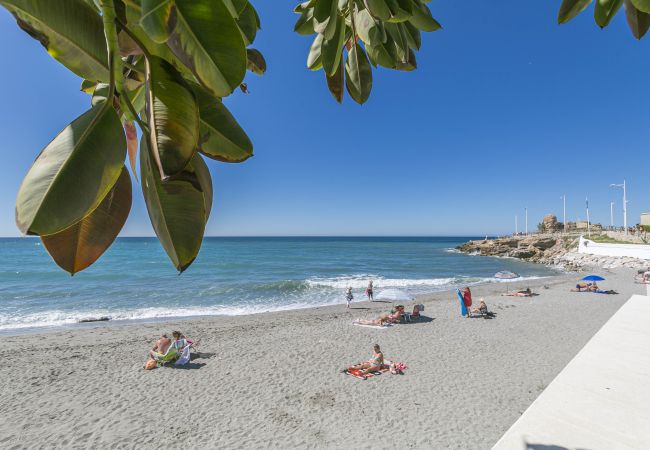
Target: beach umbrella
[
  {"x": 593, "y": 278},
  {"x": 394, "y": 295}
]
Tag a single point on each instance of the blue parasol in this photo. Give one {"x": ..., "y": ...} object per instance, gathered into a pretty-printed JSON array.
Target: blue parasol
[{"x": 593, "y": 278}]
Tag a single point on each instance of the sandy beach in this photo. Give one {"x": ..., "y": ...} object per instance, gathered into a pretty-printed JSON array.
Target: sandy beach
[{"x": 273, "y": 380}]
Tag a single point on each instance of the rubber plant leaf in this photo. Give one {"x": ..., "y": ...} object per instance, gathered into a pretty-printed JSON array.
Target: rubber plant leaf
[
  {"x": 172, "y": 115},
  {"x": 358, "y": 74},
  {"x": 422, "y": 19},
  {"x": 335, "y": 82},
  {"x": 221, "y": 137},
  {"x": 155, "y": 17},
  {"x": 314, "y": 56},
  {"x": 571, "y": 8},
  {"x": 642, "y": 5},
  {"x": 248, "y": 23},
  {"x": 378, "y": 8},
  {"x": 178, "y": 208},
  {"x": 81, "y": 244},
  {"x": 256, "y": 62},
  {"x": 638, "y": 21},
  {"x": 207, "y": 40},
  {"x": 70, "y": 30},
  {"x": 72, "y": 174},
  {"x": 332, "y": 49},
  {"x": 605, "y": 10}
]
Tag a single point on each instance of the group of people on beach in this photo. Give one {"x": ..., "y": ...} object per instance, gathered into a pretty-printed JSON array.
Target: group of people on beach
[
  {"x": 369, "y": 293},
  {"x": 162, "y": 346}
]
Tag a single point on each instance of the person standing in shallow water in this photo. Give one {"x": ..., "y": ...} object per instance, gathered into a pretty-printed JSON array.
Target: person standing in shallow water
[
  {"x": 369, "y": 292},
  {"x": 349, "y": 296}
]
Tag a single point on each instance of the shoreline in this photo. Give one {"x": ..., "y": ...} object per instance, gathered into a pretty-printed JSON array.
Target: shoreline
[{"x": 74, "y": 326}]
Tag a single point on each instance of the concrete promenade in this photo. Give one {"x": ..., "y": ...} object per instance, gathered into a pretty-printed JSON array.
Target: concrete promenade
[{"x": 601, "y": 399}]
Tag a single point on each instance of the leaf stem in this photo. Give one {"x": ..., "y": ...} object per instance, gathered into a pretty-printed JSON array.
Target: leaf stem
[
  {"x": 114, "y": 61},
  {"x": 354, "y": 28}
]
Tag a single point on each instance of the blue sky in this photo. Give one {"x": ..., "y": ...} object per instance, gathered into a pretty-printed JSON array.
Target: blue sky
[{"x": 507, "y": 110}]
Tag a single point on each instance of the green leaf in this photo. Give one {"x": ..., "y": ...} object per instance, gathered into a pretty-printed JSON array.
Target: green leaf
[
  {"x": 172, "y": 115},
  {"x": 642, "y": 5},
  {"x": 155, "y": 19},
  {"x": 335, "y": 82},
  {"x": 70, "y": 30},
  {"x": 422, "y": 19},
  {"x": 571, "y": 8},
  {"x": 325, "y": 17},
  {"x": 178, "y": 208},
  {"x": 314, "y": 56},
  {"x": 256, "y": 62},
  {"x": 207, "y": 40},
  {"x": 409, "y": 63},
  {"x": 401, "y": 10},
  {"x": 332, "y": 49},
  {"x": 248, "y": 23},
  {"x": 81, "y": 244},
  {"x": 605, "y": 10},
  {"x": 400, "y": 46},
  {"x": 72, "y": 174},
  {"x": 221, "y": 137},
  {"x": 367, "y": 29},
  {"x": 305, "y": 23},
  {"x": 378, "y": 8},
  {"x": 412, "y": 34},
  {"x": 358, "y": 74},
  {"x": 638, "y": 21},
  {"x": 133, "y": 14}
]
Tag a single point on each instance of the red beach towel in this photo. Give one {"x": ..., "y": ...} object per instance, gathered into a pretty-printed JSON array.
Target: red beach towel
[{"x": 467, "y": 297}]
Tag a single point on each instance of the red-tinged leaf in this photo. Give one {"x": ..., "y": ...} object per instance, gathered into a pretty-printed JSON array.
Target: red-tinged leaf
[{"x": 132, "y": 145}]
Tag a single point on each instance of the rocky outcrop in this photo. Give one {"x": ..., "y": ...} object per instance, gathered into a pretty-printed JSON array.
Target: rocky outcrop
[
  {"x": 553, "y": 249},
  {"x": 537, "y": 248}
]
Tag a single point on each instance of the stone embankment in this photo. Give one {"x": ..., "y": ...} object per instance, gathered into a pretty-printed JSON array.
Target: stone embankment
[{"x": 555, "y": 249}]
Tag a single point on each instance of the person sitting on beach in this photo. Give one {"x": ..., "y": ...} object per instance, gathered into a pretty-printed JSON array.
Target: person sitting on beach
[
  {"x": 523, "y": 293},
  {"x": 161, "y": 346},
  {"x": 373, "y": 364},
  {"x": 482, "y": 307}
]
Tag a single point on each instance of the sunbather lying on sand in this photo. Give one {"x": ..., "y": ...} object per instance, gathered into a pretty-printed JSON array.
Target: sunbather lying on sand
[
  {"x": 585, "y": 287},
  {"x": 373, "y": 364},
  {"x": 383, "y": 320},
  {"x": 523, "y": 293}
]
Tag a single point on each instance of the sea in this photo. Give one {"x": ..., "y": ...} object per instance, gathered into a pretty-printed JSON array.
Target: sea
[{"x": 134, "y": 280}]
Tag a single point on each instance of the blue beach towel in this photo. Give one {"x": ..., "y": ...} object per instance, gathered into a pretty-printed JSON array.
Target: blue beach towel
[{"x": 463, "y": 308}]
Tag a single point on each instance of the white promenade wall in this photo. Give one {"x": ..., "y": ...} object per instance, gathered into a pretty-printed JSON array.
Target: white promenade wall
[
  {"x": 600, "y": 400},
  {"x": 630, "y": 250}
]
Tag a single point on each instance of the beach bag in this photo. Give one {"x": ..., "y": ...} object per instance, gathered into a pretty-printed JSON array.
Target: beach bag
[
  {"x": 151, "y": 364},
  {"x": 185, "y": 357}
]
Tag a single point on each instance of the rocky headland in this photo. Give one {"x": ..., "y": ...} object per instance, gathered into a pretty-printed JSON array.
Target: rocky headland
[{"x": 552, "y": 247}]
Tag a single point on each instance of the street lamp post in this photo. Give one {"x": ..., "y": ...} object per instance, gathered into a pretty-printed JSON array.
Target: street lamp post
[
  {"x": 516, "y": 225},
  {"x": 588, "y": 222},
  {"x": 526, "y": 210},
  {"x": 611, "y": 215},
  {"x": 624, "y": 203},
  {"x": 564, "y": 212}
]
